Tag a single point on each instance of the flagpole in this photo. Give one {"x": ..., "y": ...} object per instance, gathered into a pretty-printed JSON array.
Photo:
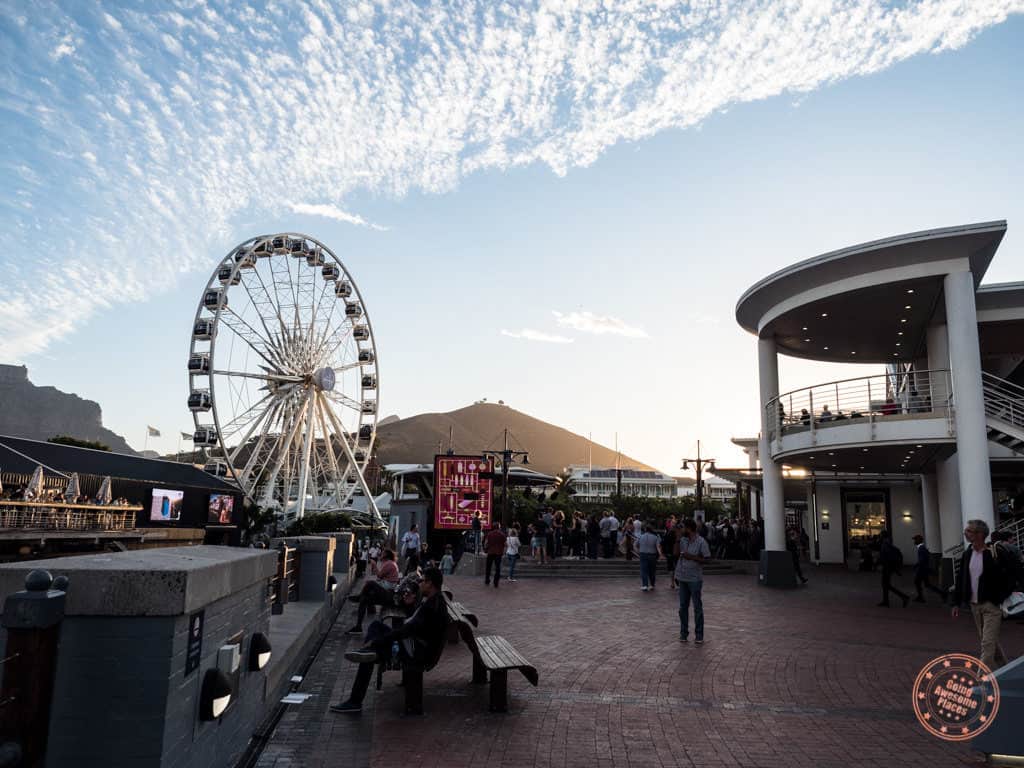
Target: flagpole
[
  {"x": 177, "y": 453},
  {"x": 145, "y": 443}
]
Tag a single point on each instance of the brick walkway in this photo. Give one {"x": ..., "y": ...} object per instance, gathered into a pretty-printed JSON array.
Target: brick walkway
[{"x": 816, "y": 677}]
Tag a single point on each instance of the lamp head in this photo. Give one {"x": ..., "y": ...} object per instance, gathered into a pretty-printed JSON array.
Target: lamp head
[{"x": 686, "y": 464}]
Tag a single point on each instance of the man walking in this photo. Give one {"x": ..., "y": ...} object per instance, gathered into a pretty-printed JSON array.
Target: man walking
[
  {"x": 494, "y": 547},
  {"x": 922, "y": 569},
  {"x": 982, "y": 584},
  {"x": 411, "y": 548},
  {"x": 892, "y": 560},
  {"x": 693, "y": 554},
  {"x": 649, "y": 547}
]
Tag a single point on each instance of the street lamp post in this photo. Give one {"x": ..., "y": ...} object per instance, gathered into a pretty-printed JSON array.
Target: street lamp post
[
  {"x": 699, "y": 464},
  {"x": 506, "y": 455}
]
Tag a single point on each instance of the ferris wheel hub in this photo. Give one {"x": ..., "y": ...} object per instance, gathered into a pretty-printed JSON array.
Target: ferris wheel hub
[{"x": 324, "y": 379}]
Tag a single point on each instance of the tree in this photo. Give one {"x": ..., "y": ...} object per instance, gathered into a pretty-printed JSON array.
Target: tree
[{"x": 78, "y": 443}]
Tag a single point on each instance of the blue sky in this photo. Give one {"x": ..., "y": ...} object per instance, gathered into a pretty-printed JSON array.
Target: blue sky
[{"x": 479, "y": 175}]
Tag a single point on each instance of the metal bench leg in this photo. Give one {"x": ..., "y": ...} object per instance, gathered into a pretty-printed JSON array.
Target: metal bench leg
[
  {"x": 479, "y": 672},
  {"x": 499, "y": 690},
  {"x": 413, "y": 678}
]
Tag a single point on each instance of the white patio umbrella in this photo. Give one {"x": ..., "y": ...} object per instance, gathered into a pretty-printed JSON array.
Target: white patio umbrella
[
  {"x": 34, "y": 489},
  {"x": 1, "y": 482},
  {"x": 72, "y": 491},
  {"x": 104, "y": 496}
]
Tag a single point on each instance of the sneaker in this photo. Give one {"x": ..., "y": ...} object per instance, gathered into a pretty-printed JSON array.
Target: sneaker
[
  {"x": 347, "y": 707},
  {"x": 361, "y": 657},
  {"x": 684, "y": 639},
  {"x": 356, "y": 630},
  {"x": 699, "y": 641},
  {"x": 643, "y": 589}
]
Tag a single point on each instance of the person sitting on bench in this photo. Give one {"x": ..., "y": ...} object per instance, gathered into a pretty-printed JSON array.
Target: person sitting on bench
[
  {"x": 379, "y": 592},
  {"x": 420, "y": 640}
]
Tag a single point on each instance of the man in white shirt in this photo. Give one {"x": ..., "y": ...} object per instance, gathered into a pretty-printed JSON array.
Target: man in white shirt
[
  {"x": 982, "y": 584},
  {"x": 411, "y": 549},
  {"x": 613, "y": 534}
]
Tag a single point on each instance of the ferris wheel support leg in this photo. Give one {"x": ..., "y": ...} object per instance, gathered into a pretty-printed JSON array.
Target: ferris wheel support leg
[
  {"x": 352, "y": 461},
  {"x": 304, "y": 473},
  {"x": 330, "y": 451}
]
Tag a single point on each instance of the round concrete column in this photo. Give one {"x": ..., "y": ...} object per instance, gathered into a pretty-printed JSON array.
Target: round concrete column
[
  {"x": 968, "y": 399},
  {"x": 930, "y": 506},
  {"x": 774, "y": 501}
]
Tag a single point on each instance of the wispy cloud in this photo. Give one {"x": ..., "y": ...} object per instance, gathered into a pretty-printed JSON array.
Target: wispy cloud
[
  {"x": 531, "y": 335},
  {"x": 237, "y": 113},
  {"x": 588, "y": 322},
  {"x": 333, "y": 212}
]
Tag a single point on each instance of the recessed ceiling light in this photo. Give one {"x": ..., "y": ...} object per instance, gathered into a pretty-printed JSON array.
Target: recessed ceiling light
[
  {"x": 862, "y": 467},
  {"x": 824, "y": 314},
  {"x": 910, "y": 290},
  {"x": 898, "y": 344},
  {"x": 907, "y": 307},
  {"x": 804, "y": 328},
  {"x": 826, "y": 349},
  {"x": 920, "y": 446},
  {"x": 895, "y": 354},
  {"x": 833, "y": 465},
  {"x": 903, "y": 319},
  {"x": 899, "y": 333},
  {"x": 810, "y": 457},
  {"x": 864, "y": 449},
  {"x": 831, "y": 453},
  {"x": 806, "y": 339},
  {"x": 853, "y": 353}
]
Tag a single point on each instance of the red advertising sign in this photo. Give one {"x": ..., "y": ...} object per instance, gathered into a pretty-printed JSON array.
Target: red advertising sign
[{"x": 460, "y": 492}]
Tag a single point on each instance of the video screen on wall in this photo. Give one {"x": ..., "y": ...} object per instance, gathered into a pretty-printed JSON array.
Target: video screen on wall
[
  {"x": 166, "y": 507},
  {"x": 221, "y": 507}
]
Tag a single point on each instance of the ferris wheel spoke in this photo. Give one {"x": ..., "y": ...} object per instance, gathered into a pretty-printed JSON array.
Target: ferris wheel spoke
[
  {"x": 330, "y": 345},
  {"x": 249, "y": 335},
  {"x": 335, "y": 476},
  {"x": 260, "y": 303},
  {"x": 342, "y": 399},
  {"x": 370, "y": 503},
  {"x": 237, "y": 423},
  {"x": 347, "y": 367},
  {"x": 275, "y": 377},
  {"x": 276, "y": 304},
  {"x": 267, "y": 415}
]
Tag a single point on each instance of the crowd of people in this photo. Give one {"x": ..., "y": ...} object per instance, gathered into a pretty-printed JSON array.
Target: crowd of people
[{"x": 55, "y": 496}]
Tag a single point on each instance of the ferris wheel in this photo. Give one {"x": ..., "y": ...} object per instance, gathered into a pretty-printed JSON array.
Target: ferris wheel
[{"x": 282, "y": 374}]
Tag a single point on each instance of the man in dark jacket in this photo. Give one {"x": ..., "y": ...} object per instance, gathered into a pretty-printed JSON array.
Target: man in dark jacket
[
  {"x": 922, "y": 571},
  {"x": 420, "y": 640},
  {"x": 891, "y": 559},
  {"x": 494, "y": 547},
  {"x": 982, "y": 584}
]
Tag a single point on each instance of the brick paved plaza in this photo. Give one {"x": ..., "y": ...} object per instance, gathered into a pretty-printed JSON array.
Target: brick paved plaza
[{"x": 816, "y": 677}]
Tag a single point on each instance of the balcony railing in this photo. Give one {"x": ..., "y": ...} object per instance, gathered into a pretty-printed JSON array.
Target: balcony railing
[
  {"x": 1004, "y": 400},
  {"x": 63, "y": 516},
  {"x": 919, "y": 393}
]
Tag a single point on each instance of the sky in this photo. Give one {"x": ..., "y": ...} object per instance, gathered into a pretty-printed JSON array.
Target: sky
[{"x": 554, "y": 204}]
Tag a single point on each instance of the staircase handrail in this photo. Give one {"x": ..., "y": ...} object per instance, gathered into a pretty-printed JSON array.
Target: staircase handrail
[{"x": 1014, "y": 526}]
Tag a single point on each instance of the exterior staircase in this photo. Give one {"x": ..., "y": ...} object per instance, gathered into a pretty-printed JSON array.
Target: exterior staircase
[
  {"x": 614, "y": 568},
  {"x": 1004, "y": 412}
]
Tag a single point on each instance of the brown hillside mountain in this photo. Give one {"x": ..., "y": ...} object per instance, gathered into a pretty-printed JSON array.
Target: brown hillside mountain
[
  {"x": 39, "y": 413},
  {"x": 479, "y": 427}
]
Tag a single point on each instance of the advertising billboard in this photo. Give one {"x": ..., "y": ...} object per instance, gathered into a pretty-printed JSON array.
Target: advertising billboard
[
  {"x": 460, "y": 491},
  {"x": 221, "y": 507},
  {"x": 166, "y": 507}
]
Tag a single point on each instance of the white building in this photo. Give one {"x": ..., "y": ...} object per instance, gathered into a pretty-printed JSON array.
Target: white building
[
  {"x": 598, "y": 484},
  {"x": 930, "y": 442},
  {"x": 717, "y": 489}
]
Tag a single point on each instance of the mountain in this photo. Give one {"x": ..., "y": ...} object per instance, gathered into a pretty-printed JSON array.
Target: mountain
[
  {"x": 481, "y": 426},
  {"x": 40, "y": 413}
]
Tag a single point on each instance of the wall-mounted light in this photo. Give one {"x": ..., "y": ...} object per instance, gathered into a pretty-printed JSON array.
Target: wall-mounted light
[
  {"x": 906, "y": 514},
  {"x": 259, "y": 652},
  {"x": 215, "y": 696},
  {"x": 824, "y": 513},
  {"x": 332, "y": 583}
]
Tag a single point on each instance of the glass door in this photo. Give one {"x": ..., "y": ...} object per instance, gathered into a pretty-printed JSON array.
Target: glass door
[{"x": 865, "y": 515}]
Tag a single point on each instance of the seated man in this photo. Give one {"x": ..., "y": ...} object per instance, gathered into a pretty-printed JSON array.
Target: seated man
[
  {"x": 379, "y": 592},
  {"x": 420, "y": 640}
]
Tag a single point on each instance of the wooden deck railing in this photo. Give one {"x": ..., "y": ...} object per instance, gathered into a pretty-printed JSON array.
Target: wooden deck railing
[{"x": 57, "y": 516}]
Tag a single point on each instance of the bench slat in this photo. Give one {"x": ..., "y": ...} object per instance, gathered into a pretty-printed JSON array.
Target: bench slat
[{"x": 497, "y": 653}]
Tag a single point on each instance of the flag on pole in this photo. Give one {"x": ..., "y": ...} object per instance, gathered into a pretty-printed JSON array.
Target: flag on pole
[
  {"x": 152, "y": 431},
  {"x": 186, "y": 436}
]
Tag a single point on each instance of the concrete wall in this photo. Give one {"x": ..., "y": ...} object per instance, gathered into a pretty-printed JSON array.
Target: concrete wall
[
  {"x": 121, "y": 695},
  {"x": 830, "y": 543},
  {"x": 903, "y": 499}
]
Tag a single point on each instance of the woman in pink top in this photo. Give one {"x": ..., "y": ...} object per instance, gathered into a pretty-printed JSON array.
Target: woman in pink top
[{"x": 379, "y": 592}]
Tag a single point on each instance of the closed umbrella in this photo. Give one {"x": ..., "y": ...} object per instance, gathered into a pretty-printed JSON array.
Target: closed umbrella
[
  {"x": 104, "y": 496},
  {"x": 72, "y": 492},
  {"x": 34, "y": 489}
]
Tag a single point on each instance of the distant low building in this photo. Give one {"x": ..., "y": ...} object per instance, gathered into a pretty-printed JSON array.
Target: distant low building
[{"x": 599, "y": 484}]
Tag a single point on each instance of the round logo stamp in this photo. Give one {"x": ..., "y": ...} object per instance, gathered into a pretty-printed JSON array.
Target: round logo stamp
[{"x": 956, "y": 697}]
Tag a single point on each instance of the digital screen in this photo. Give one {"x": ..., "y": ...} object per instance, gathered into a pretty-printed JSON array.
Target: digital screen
[
  {"x": 221, "y": 507},
  {"x": 166, "y": 507},
  {"x": 460, "y": 491}
]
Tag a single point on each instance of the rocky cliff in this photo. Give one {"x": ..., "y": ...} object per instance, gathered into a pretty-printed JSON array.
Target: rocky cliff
[{"x": 40, "y": 413}]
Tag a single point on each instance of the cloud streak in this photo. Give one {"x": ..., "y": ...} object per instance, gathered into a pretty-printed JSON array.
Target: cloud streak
[
  {"x": 531, "y": 335},
  {"x": 588, "y": 322},
  {"x": 143, "y": 125},
  {"x": 333, "y": 212}
]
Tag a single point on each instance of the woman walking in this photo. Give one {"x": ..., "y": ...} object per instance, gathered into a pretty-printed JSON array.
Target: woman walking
[
  {"x": 649, "y": 546},
  {"x": 627, "y": 539},
  {"x": 512, "y": 551}
]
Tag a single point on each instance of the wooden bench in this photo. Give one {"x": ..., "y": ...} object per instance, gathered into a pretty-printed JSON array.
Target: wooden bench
[{"x": 495, "y": 655}]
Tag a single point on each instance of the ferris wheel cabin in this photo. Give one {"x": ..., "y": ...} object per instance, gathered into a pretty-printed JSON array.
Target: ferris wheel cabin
[
  {"x": 366, "y": 356},
  {"x": 204, "y": 330},
  {"x": 245, "y": 258},
  {"x": 369, "y": 381},
  {"x": 343, "y": 289},
  {"x": 353, "y": 309},
  {"x": 214, "y": 300},
  {"x": 280, "y": 244},
  {"x": 361, "y": 333},
  {"x": 330, "y": 272},
  {"x": 218, "y": 468},
  {"x": 315, "y": 258},
  {"x": 369, "y": 407},
  {"x": 199, "y": 362},
  {"x": 226, "y": 274},
  {"x": 199, "y": 401},
  {"x": 205, "y": 437},
  {"x": 366, "y": 432},
  {"x": 263, "y": 250},
  {"x": 299, "y": 249}
]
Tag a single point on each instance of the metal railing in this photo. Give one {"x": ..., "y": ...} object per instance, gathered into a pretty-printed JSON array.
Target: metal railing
[
  {"x": 1004, "y": 400},
  {"x": 58, "y": 516},
  {"x": 866, "y": 397}
]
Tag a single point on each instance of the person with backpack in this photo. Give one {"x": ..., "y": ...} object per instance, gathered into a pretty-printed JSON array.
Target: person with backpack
[
  {"x": 892, "y": 560},
  {"x": 982, "y": 584}
]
